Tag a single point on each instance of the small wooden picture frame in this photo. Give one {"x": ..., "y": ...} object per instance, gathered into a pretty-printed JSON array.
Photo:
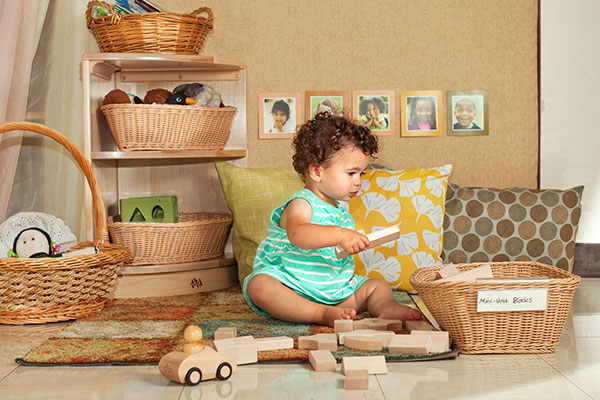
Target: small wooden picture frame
[
  {"x": 422, "y": 112},
  {"x": 467, "y": 112},
  {"x": 375, "y": 110},
  {"x": 278, "y": 115},
  {"x": 334, "y": 101}
]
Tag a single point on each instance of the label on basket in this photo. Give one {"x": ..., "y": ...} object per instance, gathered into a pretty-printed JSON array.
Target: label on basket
[{"x": 512, "y": 300}]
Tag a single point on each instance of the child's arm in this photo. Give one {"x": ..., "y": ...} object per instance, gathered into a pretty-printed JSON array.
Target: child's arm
[{"x": 295, "y": 219}]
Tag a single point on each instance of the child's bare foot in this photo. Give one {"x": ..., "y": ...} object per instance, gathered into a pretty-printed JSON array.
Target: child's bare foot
[
  {"x": 333, "y": 313},
  {"x": 399, "y": 311}
]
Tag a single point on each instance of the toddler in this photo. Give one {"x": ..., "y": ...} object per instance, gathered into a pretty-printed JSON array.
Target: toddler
[
  {"x": 281, "y": 115},
  {"x": 422, "y": 114},
  {"x": 296, "y": 275},
  {"x": 464, "y": 112}
]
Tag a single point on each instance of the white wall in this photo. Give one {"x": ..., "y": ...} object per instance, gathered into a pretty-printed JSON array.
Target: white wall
[{"x": 570, "y": 109}]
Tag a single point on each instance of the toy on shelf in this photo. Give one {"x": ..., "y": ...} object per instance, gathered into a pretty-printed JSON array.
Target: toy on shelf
[
  {"x": 149, "y": 209},
  {"x": 197, "y": 362},
  {"x": 203, "y": 95},
  {"x": 158, "y": 95},
  {"x": 116, "y": 96}
]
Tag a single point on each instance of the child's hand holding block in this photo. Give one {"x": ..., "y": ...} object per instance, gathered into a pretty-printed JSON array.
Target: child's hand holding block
[{"x": 376, "y": 238}]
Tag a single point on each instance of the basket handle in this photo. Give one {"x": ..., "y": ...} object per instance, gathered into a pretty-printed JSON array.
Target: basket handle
[
  {"x": 84, "y": 164},
  {"x": 115, "y": 17},
  {"x": 208, "y": 11}
]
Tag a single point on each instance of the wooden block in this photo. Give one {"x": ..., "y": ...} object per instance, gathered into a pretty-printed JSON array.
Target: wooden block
[
  {"x": 410, "y": 344},
  {"x": 322, "y": 360},
  {"x": 363, "y": 343},
  {"x": 321, "y": 341},
  {"x": 225, "y": 332},
  {"x": 374, "y": 364},
  {"x": 357, "y": 379},
  {"x": 343, "y": 325},
  {"x": 242, "y": 349},
  {"x": 383, "y": 336},
  {"x": 376, "y": 238},
  {"x": 440, "y": 340},
  {"x": 418, "y": 325},
  {"x": 471, "y": 275},
  {"x": 274, "y": 343},
  {"x": 379, "y": 324},
  {"x": 448, "y": 271}
]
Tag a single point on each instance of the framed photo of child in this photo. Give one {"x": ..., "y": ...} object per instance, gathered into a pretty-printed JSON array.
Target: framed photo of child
[
  {"x": 422, "y": 112},
  {"x": 278, "y": 115},
  {"x": 467, "y": 112},
  {"x": 333, "y": 101},
  {"x": 375, "y": 110}
]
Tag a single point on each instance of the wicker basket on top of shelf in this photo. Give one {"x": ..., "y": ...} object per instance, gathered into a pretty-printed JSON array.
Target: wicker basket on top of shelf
[
  {"x": 40, "y": 290},
  {"x": 454, "y": 307},
  {"x": 169, "y": 127},
  {"x": 196, "y": 236},
  {"x": 153, "y": 32}
]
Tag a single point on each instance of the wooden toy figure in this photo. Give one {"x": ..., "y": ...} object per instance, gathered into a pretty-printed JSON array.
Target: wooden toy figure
[{"x": 196, "y": 362}]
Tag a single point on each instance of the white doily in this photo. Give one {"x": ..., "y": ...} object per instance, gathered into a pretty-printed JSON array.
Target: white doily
[{"x": 59, "y": 232}]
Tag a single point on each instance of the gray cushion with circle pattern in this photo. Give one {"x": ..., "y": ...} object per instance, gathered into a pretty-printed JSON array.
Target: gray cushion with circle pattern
[{"x": 516, "y": 224}]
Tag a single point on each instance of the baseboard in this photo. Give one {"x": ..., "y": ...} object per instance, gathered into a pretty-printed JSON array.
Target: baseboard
[{"x": 587, "y": 260}]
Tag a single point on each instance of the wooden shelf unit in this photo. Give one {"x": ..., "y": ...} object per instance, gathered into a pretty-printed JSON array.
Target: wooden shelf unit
[{"x": 190, "y": 175}]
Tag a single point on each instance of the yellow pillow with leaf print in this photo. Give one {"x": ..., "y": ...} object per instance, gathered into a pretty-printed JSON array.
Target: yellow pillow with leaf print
[{"x": 412, "y": 199}]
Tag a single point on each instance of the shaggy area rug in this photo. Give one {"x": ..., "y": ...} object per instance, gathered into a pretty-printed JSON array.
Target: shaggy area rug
[{"x": 142, "y": 330}]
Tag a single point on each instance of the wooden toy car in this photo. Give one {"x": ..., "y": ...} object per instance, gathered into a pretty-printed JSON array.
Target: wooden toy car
[{"x": 195, "y": 367}]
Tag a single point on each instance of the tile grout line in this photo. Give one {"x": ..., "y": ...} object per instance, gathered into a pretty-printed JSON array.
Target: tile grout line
[
  {"x": 566, "y": 377},
  {"x": 380, "y": 387}
]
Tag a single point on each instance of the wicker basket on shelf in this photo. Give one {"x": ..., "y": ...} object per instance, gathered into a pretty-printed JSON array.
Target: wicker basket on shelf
[
  {"x": 153, "y": 32},
  {"x": 197, "y": 236},
  {"x": 169, "y": 127},
  {"x": 454, "y": 307},
  {"x": 40, "y": 290}
]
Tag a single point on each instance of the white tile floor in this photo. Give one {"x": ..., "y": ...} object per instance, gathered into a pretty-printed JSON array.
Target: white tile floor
[{"x": 572, "y": 372}]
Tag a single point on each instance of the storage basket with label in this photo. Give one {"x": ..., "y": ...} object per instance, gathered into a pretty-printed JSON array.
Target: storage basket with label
[
  {"x": 528, "y": 314},
  {"x": 196, "y": 236},
  {"x": 40, "y": 290},
  {"x": 169, "y": 127},
  {"x": 152, "y": 32}
]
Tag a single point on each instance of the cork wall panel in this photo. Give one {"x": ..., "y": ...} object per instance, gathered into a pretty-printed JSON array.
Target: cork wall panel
[{"x": 295, "y": 46}]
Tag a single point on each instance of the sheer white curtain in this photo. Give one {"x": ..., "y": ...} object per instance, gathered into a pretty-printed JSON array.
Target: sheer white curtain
[
  {"x": 47, "y": 178},
  {"x": 20, "y": 26}
]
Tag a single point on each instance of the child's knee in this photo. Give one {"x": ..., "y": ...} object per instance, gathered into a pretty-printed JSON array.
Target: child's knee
[{"x": 256, "y": 286}]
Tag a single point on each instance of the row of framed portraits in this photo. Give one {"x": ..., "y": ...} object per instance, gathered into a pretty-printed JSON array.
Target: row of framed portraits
[{"x": 422, "y": 112}]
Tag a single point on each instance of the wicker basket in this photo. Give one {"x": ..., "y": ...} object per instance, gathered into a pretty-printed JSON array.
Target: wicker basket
[
  {"x": 162, "y": 32},
  {"x": 169, "y": 127},
  {"x": 197, "y": 236},
  {"x": 454, "y": 307},
  {"x": 40, "y": 290}
]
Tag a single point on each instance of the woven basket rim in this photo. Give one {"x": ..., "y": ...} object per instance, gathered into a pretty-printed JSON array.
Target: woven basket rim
[
  {"x": 110, "y": 107},
  {"x": 215, "y": 217}
]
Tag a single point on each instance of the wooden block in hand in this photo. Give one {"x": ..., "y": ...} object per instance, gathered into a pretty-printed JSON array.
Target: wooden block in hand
[
  {"x": 322, "y": 360},
  {"x": 225, "y": 332},
  {"x": 410, "y": 344},
  {"x": 357, "y": 379},
  {"x": 471, "y": 275},
  {"x": 376, "y": 238}
]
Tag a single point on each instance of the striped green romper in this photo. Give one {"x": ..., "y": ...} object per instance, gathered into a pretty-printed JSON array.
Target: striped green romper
[{"x": 316, "y": 274}]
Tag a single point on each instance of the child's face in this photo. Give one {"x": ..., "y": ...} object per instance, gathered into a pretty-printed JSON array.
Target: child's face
[
  {"x": 464, "y": 113},
  {"x": 280, "y": 117},
  {"x": 372, "y": 110},
  {"x": 423, "y": 111},
  {"x": 341, "y": 179}
]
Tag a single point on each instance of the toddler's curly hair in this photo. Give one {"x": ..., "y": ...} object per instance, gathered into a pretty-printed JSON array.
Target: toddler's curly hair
[{"x": 321, "y": 137}]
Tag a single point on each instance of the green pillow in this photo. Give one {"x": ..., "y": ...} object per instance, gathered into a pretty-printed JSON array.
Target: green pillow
[{"x": 252, "y": 194}]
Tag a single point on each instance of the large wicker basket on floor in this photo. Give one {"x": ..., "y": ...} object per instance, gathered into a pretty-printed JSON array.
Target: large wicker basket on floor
[
  {"x": 197, "y": 236},
  {"x": 169, "y": 127},
  {"x": 454, "y": 307},
  {"x": 39, "y": 290},
  {"x": 154, "y": 32}
]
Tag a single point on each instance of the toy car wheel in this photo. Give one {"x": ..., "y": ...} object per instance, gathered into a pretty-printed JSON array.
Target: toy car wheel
[
  {"x": 193, "y": 376},
  {"x": 224, "y": 371}
]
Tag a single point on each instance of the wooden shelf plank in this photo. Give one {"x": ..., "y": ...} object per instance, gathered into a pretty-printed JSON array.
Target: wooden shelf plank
[
  {"x": 225, "y": 154},
  {"x": 223, "y": 261}
]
